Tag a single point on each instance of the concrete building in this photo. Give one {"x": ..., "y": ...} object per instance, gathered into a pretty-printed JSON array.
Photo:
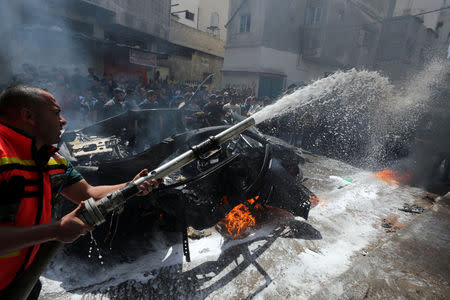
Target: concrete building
[
  {"x": 418, "y": 7},
  {"x": 196, "y": 41},
  {"x": 435, "y": 15},
  {"x": 193, "y": 56},
  {"x": 273, "y": 44},
  {"x": 209, "y": 16},
  {"x": 404, "y": 47},
  {"x": 109, "y": 35},
  {"x": 443, "y": 30},
  {"x": 418, "y": 31}
]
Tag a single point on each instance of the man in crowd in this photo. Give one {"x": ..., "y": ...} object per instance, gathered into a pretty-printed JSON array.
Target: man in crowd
[
  {"x": 150, "y": 101},
  {"x": 163, "y": 99},
  {"x": 115, "y": 105},
  {"x": 92, "y": 75},
  {"x": 131, "y": 99},
  {"x": 149, "y": 128},
  {"x": 97, "y": 112},
  {"x": 232, "y": 106},
  {"x": 214, "y": 111},
  {"x": 87, "y": 103},
  {"x": 32, "y": 174},
  {"x": 254, "y": 106}
]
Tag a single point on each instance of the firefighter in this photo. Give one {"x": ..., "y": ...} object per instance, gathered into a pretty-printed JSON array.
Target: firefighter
[{"x": 32, "y": 174}]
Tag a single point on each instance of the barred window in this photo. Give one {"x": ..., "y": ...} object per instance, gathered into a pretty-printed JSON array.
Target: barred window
[{"x": 244, "y": 25}]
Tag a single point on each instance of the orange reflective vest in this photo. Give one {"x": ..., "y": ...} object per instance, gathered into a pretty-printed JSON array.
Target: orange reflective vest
[{"x": 29, "y": 181}]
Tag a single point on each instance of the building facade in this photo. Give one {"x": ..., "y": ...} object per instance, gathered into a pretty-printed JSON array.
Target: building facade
[
  {"x": 423, "y": 10},
  {"x": 405, "y": 46},
  {"x": 208, "y": 16},
  {"x": 109, "y": 35},
  {"x": 193, "y": 56},
  {"x": 196, "y": 41},
  {"x": 271, "y": 45},
  {"x": 435, "y": 15}
]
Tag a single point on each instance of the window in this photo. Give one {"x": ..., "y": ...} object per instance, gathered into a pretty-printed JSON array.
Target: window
[
  {"x": 340, "y": 15},
  {"x": 244, "y": 25},
  {"x": 315, "y": 15},
  {"x": 189, "y": 15},
  {"x": 365, "y": 38}
]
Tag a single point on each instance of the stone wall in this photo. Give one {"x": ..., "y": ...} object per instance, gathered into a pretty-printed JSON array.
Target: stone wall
[{"x": 194, "y": 68}]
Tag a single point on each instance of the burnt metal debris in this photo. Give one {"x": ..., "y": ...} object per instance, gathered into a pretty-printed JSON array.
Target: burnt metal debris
[
  {"x": 251, "y": 164},
  {"x": 415, "y": 209}
]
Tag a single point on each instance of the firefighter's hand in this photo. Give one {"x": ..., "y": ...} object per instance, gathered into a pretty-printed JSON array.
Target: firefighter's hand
[
  {"x": 71, "y": 227},
  {"x": 147, "y": 186}
]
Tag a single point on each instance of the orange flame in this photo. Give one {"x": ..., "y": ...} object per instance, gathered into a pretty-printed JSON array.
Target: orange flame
[
  {"x": 240, "y": 219},
  {"x": 393, "y": 177},
  {"x": 314, "y": 200}
]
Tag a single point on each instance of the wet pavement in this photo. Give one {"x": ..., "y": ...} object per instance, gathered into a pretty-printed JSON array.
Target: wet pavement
[
  {"x": 343, "y": 251},
  {"x": 413, "y": 264}
]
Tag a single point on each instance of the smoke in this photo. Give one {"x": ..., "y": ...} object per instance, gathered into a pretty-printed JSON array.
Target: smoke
[
  {"x": 33, "y": 34},
  {"x": 363, "y": 118},
  {"x": 422, "y": 107}
]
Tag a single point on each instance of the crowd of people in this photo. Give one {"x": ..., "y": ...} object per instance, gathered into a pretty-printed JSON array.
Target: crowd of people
[{"x": 87, "y": 99}]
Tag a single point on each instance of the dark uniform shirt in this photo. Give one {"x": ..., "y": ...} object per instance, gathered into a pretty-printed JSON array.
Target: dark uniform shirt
[{"x": 112, "y": 108}]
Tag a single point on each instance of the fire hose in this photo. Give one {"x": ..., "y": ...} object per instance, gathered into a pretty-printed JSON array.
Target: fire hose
[{"x": 95, "y": 211}]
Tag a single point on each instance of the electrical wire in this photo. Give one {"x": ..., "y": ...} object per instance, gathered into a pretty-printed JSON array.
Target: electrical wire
[{"x": 338, "y": 28}]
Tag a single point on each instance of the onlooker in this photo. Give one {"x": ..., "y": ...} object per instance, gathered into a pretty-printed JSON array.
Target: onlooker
[
  {"x": 254, "y": 106},
  {"x": 84, "y": 97},
  {"x": 115, "y": 105},
  {"x": 193, "y": 104},
  {"x": 232, "y": 106},
  {"x": 213, "y": 110},
  {"x": 131, "y": 100},
  {"x": 97, "y": 112},
  {"x": 92, "y": 75},
  {"x": 150, "y": 102}
]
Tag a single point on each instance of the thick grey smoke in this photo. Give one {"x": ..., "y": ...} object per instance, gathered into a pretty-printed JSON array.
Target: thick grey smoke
[
  {"x": 422, "y": 107},
  {"x": 32, "y": 34},
  {"x": 360, "y": 116}
]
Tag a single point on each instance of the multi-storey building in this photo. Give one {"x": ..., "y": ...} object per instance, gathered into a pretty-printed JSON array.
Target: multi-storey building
[
  {"x": 109, "y": 35},
  {"x": 435, "y": 15},
  {"x": 197, "y": 35},
  {"x": 273, "y": 44},
  {"x": 209, "y": 16}
]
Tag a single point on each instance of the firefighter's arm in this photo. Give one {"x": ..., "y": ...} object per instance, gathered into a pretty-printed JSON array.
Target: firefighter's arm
[
  {"x": 66, "y": 230},
  {"x": 82, "y": 190}
]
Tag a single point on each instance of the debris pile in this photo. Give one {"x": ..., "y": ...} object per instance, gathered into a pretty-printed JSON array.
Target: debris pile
[{"x": 391, "y": 224}]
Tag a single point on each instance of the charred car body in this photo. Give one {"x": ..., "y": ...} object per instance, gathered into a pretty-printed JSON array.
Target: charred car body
[{"x": 199, "y": 194}]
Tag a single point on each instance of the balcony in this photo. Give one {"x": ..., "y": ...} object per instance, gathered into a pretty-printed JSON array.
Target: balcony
[
  {"x": 149, "y": 17},
  {"x": 192, "y": 38}
]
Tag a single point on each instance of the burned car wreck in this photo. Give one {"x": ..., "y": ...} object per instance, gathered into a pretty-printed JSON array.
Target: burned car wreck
[{"x": 250, "y": 165}]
